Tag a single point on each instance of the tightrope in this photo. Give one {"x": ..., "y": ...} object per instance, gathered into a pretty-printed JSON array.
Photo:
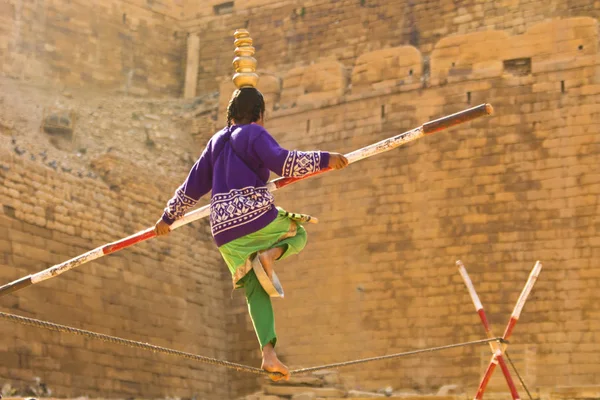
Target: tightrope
[
  {"x": 396, "y": 355},
  {"x": 238, "y": 367},
  {"x": 125, "y": 342}
]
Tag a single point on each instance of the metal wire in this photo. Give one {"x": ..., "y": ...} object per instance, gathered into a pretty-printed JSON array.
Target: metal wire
[
  {"x": 518, "y": 375},
  {"x": 238, "y": 367}
]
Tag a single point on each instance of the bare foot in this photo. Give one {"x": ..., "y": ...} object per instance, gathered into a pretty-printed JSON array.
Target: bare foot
[
  {"x": 271, "y": 363},
  {"x": 267, "y": 259}
]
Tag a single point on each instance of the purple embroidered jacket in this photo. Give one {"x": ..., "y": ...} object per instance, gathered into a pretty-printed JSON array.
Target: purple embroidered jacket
[{"x": 235, "y": 165}]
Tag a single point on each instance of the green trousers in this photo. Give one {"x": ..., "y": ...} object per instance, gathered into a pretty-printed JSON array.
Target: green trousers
[{"x": 282, "y": 232}]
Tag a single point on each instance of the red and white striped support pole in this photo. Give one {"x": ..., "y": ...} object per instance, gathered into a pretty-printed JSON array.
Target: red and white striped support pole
[
  {"x": 535, "y": 272},
  {"x": 497, "y": 349},
  {"x": 514, "y": 318},
  {"x": 368, "y": 151}
]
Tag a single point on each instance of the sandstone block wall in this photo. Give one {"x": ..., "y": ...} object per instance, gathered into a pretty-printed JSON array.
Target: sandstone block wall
[
  {"x": 132, "y": 46},
  {"x": 295, "y": 33},
  {"x": 169, "y": 292},
  {"x": 378, "y": 274},
  {"x": 209, "y": 8},
  {"x": 303, "y": 86},
  {"x": 391, "y": 67}
]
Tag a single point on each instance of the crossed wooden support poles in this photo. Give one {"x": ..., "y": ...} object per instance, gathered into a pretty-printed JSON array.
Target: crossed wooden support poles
[{"x": 499, "y": 348}]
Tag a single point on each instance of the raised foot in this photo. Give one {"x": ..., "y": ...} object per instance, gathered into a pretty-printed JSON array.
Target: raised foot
[{"x": 267, "y": 259}]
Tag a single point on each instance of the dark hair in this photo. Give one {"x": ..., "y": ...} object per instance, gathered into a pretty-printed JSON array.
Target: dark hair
[{"x": 246, "y": 105}]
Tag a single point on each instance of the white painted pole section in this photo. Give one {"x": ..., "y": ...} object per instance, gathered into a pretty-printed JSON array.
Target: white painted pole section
[
  {"x": 470, "y": 287},
  {"x": 200, "y": 213},
  {"x": 271, "y": 186},
  {"x": 527, "y": 289},
  {"x": 67, "y": 265},
  {"x": 385, "y": 145}
]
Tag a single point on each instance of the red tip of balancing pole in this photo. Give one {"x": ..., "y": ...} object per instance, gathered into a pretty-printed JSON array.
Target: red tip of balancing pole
[{"x": 457, "y": 118}]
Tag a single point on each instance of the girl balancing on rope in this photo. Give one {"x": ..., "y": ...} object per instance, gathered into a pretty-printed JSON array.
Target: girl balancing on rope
[{"x": 244, "y": 220}]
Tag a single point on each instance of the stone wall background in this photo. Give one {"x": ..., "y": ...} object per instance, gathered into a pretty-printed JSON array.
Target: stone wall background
[
  {"x": 134, "y": 47},
  {"x": 378, "y": 274},
  {"x": 295, "y": 33},
  {"x": 163, "y": 292}
]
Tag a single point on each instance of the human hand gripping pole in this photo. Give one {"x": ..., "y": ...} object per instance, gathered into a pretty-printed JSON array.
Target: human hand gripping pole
[{"x": 368, "y": 151}]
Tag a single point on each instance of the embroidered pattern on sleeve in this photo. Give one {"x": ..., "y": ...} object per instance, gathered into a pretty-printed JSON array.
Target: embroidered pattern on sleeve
[
  {"x": 179, "y": 204},
  {"x": 238, "y": 207},
  {"x": 301, "y": 163}
]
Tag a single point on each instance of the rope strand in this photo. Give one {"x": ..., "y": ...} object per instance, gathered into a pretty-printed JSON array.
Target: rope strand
[
  {"x": 238, "y": 367},
  {"x": 131, "y": 343}
]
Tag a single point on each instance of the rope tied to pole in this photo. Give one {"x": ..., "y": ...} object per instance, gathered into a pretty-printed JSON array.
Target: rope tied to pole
[{"x": 227, "y": 364}]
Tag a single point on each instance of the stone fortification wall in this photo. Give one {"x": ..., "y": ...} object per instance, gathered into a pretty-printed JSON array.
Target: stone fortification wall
[
  {"x": 297, "y": 33},
  {"x": 378, "y": 274},
  {"x": 135, "y": 47},
  {"x": 169, "y": 292}
]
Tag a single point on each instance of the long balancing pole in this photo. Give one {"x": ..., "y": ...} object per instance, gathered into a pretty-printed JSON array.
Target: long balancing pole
[{"x": 368, "y": 151}]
